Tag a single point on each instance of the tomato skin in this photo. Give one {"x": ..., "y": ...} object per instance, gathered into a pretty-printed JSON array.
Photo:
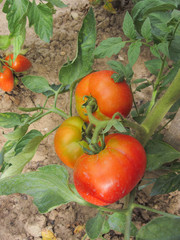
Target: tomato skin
[
  {"x": 111, "y": 97},
  {"x": 20, "y": 64},
  {"x": 67, "y": 141},
  {"x": 6, "y": 80},
  {"x": 108, "y": 176}
]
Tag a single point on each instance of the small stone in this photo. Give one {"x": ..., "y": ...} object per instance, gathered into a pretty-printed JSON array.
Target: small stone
[
  {"x": 74, "y": 15},
  {"x": 62, "y": 53}
]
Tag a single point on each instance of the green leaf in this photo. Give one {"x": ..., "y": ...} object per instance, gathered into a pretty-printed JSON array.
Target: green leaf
[
  {"x": 82, "y": 64},
  {"x": 174, "y": 50},
  {"x": 17, "y": 133},
  {"x": 142, "y": 86},
  {"x": 160, "y": 228},
  {"x": 55, "y": 87},
  {"x": 158, "y": 153},
  {"x": 128, "y": 27},
  {"x": 94, "y": 226},
  {"x": 146, "y": 30},
  {"x": 166, "y": 184},
  {"x": 140, "y": 80},
  {"x": 36, "y": 84},
  {"x": 16, "y": 13},
  {"x": 41, "y": 17},
  {"x": 121, "y": 69},
  {"x": 57, "y": 3},
  {"x": 116, "y": 124},
  {"x": 171, "y": 74},
  {"x": 5, "y": 42},
  {"x": 155, "y": 51},
  {"x": 19, "y": 160},
  {"x": 109, "y": 47},
  {"x": 117, "y": 222},
  {"x": 164, "y": 48},
  {"x": 143, "y": 8},
  {"x": 18, "y": 37},
  {"x": 133, "y": 52},
  {"x": 10, "y": 120},
  {"x": 118, "y": 77},
  {"x": 153, "y": 65},
  {"x": 48, "y": 186}
]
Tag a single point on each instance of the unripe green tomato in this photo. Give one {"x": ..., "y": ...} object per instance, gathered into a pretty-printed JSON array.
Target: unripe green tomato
[{"x": 68, "y": 141}]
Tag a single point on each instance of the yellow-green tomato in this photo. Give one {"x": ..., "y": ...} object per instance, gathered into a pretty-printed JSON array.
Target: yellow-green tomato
[{"x": 68, "y": 141}]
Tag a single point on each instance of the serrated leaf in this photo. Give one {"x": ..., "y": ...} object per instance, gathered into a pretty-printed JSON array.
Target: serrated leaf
[
  {"x": 55, "y": 87},
  {"x": 16, "y": 12},
  {"x": 41, "y": 17},
  {"x": 139, "y": 80},
  {"x": 142, "y": 86},
  {"x": 166, "y": 184},
  {"x": 164, "y": 48},
  {"x": 133, "y": 52},
  {"x": 128, "y": 27},
  {"x": 57, "y": 3},
  {"x": 19, "y": 160},
  {"x": 146, "y": 30},
  {"x": 48, "y": 186},
  {"x": 118, "y": 77},
  {"x": 153, "y": 65},
  {"x": 154, "y": 50},
  {"x": 82, "y": 64},
  {"x": 160, "y": 228},
  {"x": 174, "y": 50},
  {"x": 94, "y": 226},
  {"x": 5, "y": 42},
  {"x": 10, "y": 120},
  {"x": 117, "y": 223},
  {"x": 109, "y": 47},
  {"x": 18, "y": 37},
  {"x": 17, "y": 133},
  {"x": 158, "y": 153},
  {"x": 36, "y": 83}
]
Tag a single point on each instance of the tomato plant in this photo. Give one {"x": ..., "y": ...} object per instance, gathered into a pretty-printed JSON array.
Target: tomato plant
[
  {"x": 111, "y": 174},
  {"x": 6, "y": 79},
  {"x": 68, "y": 141},
  {"x": 112, "y": 152},
  {"x": 20, "y": 64},
  {"x": 111, "y": 97}
]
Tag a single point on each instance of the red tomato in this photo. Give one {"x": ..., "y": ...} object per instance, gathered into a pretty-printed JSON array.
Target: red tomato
[
  {"x": 111, "y": 97},
  {"x": 68, "y": 141},
  {"x": 20, "y": 64},
  {"x": 6, "y": 79},
  {"x": 108, "y": 176}
]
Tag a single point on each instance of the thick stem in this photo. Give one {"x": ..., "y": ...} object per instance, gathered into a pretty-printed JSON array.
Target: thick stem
[
  {"x": 127, "y": 232},
  {"x": 155, "y": 116}
]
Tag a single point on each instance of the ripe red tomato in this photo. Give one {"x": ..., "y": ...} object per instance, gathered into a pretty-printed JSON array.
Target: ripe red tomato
[
  {"x": 68, "y": 141},
  {"x": 111, "y": 97},
  {"x": 20, "y": 64},
  {"x": 6, "y": 79},
  {"x": 108, "y": 176}
]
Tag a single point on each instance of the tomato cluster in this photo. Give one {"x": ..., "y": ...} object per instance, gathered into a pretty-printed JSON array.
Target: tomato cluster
[
  {"x": 20, "y": 64},
  {"x": 105, "y": 176}
]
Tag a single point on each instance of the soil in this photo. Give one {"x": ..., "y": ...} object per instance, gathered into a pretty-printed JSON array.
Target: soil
[{"x": 19, "y": 218}]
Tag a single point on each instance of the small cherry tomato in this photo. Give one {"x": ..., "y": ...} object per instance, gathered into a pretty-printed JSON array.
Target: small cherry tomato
[
  {"x": 6, "y": 79},
  {"x": 111, "y": 97},
  {"x": 68, "y": 141},
  {"x": 20, "y": 64},
  {"x": 108, "y": 176}
]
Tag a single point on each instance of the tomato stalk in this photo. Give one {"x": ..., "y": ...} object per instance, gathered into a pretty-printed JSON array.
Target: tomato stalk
[{"x": 155, "y": 116}]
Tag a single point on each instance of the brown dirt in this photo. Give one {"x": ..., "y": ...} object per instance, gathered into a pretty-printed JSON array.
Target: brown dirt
[{"x": 19, "y": 218}]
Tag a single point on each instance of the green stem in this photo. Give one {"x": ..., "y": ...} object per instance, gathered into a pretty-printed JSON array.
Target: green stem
[
  {"x": 127, "y": 232},
  {"x": 54, "y": 129},
  {"x": 59, "y": 112},
  {"x": 56, "y": 95},
  {"x": 134, "y": 205},
  {"x": 155, "y": 116}
]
